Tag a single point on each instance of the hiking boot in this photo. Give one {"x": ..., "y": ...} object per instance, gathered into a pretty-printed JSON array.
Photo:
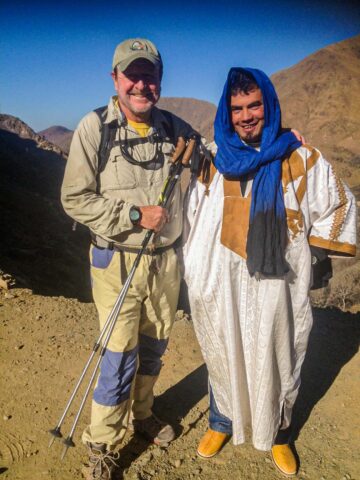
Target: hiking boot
[
  {"x": 155, "y": 430},
  {"x": 102, "y": 462}
]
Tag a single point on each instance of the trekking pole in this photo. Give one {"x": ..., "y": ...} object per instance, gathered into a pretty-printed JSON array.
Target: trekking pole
[{"x": 169, "y": 184}]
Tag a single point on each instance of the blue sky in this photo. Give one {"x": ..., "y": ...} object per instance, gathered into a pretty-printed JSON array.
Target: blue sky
[{"x": 55, "y": 57}]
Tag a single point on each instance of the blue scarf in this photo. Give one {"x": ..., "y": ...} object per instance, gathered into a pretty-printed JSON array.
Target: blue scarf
[{"x": 267, "y": 236}]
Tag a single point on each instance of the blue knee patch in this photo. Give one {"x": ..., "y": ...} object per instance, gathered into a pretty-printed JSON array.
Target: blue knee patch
[
  {"x": 150, "y": 353},
  {"x": 101, "y": 257},
  {"x": 116, "y": 375}
]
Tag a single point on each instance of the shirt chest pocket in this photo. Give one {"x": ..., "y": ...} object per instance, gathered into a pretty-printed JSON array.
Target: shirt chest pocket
[
  {"x": 125, "y": 173},
  {"x": 118, "y": 174}
]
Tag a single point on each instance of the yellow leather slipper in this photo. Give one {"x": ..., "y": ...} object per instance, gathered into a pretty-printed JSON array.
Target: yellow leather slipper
[
  {"x": 211, "y": 443},
  {"x": 284, "y": 459}
]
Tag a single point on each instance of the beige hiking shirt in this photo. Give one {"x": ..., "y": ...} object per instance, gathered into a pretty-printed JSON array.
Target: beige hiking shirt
[{"x": 122, "y": 184}]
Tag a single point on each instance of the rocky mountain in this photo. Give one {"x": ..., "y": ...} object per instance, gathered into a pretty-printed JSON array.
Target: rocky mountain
[
  {"x": 320, "y": 97},
  {"x": 37, "y": 244},
  {"x": 58, "y": 135},
  {"x": 16, "y": 126},
  {"x": 198, "y": 113}
]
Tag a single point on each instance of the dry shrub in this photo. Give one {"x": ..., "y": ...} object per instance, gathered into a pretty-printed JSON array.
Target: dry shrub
[{"x": 343, "y": 291}]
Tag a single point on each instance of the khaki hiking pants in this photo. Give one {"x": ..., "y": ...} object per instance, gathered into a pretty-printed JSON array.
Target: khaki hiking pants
[{"x": 132, "y": 360}]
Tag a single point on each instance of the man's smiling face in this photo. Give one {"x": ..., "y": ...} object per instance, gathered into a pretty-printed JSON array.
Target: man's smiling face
[
  {"x": 138, "y": 89},
  {"x": 247, "y": 115}
]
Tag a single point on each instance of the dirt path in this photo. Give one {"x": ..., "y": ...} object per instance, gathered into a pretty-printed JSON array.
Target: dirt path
[{"x": 44, "y": 342}]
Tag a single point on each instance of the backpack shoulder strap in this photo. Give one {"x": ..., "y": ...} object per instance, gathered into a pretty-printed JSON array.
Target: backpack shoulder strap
[
  {"x": 107, "y": 132},
  {"x": 169, "y": 126}
]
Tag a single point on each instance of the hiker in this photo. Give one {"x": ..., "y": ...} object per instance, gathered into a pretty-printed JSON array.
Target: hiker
[
  {"x": 115, "y": 193},
  {"x": 259, "y": 217}
]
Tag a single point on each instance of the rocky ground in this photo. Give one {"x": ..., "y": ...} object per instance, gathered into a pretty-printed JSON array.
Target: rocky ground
[{"x": 45, "y": 341}]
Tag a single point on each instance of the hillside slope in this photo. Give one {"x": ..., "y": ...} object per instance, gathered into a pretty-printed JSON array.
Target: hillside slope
[
  {"x": 320, "y": 97},
  {"x": 198, "y": 113},
  {"x": 37, "y": 244}
]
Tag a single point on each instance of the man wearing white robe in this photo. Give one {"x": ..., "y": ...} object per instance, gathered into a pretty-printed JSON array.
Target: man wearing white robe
[{"x": 253, "y": 329}]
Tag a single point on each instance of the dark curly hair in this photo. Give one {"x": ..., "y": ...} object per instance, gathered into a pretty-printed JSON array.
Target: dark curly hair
[{"x": 242, "y": 82}]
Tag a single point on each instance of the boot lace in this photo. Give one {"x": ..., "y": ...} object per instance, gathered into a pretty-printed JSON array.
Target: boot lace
[{"x": 103, "y": 463}]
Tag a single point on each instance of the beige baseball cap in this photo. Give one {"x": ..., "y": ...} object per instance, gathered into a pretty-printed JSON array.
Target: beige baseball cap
[{"x": 132, "y": 49}]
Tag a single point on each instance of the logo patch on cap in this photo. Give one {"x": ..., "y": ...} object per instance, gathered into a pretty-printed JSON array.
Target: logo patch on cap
[{"x": 138, "y": 46}]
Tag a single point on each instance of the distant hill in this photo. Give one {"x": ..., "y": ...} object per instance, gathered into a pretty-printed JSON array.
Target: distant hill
[
  {"x": 198, "y": 113},
  {"x": 320, "y": 96},
  {"x": 58, "y": 135}
]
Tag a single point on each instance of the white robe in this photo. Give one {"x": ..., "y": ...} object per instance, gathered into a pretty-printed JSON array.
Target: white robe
[{"x": 253, "y": 333}]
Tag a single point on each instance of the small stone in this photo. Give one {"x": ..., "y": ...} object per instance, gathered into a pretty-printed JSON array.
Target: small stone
[
  {"x": 157, "y": 452},
  {"x": 144, "y": 459},
  {"x": 267, "y": 460},
  {"x": 134, "y": 476},
  {"x": 19, "y": 347},
  {"x": 6, "y": 417},
  {"x": 177, "y": 463}
]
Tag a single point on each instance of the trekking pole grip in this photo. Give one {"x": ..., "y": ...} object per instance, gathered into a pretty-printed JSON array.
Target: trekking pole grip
[
  {"x": 189, "y": 151},
  {"x": 179, "y": 149}
]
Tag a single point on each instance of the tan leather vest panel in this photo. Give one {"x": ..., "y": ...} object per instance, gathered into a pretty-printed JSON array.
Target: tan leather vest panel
[{"x": 236, "y": 217}]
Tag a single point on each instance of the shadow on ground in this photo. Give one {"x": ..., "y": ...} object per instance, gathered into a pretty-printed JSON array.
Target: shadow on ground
[
  {"x": 171, "y": 406},
  {"x": 334, "y": 340},
  {"x": 178, "y": 400}
]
